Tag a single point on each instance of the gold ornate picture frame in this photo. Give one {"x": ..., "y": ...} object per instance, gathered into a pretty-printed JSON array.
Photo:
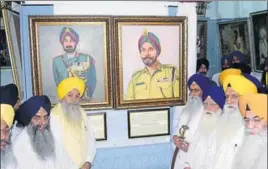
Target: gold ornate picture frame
[
  {"x": 162, "y": 43},
  {"x": 12, "y": 33},
  {"x": 78, "y": 46}
]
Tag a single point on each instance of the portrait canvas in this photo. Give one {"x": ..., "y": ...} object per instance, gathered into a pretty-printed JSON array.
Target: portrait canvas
[
  {"x": 10, "y": 50},
  {"x": 259, "y": 27},
  {"x": 79, "y": 47},
  {"x": 150, "y": 61},
  {"x": 234, "y": 36},
  {"x": 201, "y": 39}
]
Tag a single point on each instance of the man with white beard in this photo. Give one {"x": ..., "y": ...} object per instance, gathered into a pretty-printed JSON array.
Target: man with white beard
[
  {"x": 253, "y": 152},
  {"x": 71, "y": 125},
  {"x": 191, "y": 114},
  {"x": 8, "y": 160},
  {"x": 230, "y": 129},
  {"x": 37, "y": 142},
  {"x": 202, "y": 149}
]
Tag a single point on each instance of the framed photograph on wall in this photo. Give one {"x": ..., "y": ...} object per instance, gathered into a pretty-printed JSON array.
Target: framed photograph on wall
[
  {"x": 10, "y": 49},
  {"x": 234, "y": 36},
  {"x": 99, "y": 124},
  {"x": 148, "y": 123},
  {"x": 72, "y": 46},
  {"x": 201, "y": 39},
  {"x": 259, "y": 28},
  {"x": 151, "y": 61}
]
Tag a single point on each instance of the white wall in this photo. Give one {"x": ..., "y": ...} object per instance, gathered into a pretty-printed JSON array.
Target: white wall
[{"x": 117, "y": 120}]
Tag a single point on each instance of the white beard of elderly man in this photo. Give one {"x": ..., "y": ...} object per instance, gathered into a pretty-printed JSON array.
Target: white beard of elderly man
[
  {"x": 202, "y": 148},
  {"x": 253, "y": 152},
  {"x": 72, "y": 126},
  {"x": 36, "y": 146},
  {"x": 8, "y": 159}
]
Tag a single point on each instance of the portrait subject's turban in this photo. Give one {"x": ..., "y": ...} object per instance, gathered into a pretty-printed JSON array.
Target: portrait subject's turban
[
  {"x": 257, "y": 103},
  {"x": 66, "y": 31},
  {"x": 7, "y": 114},
  {"x": 9, "y": 94},
  {"x": 228, "y": 72},
  {"x": 239, "y": 84},
  {"x": 31, "y": 107},
  {"x": 150, "y": 38},
  {"x": 68, "y": 84}
]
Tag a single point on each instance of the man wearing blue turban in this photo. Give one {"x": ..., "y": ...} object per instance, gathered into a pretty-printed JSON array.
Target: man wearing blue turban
[
  {"x": 191, "y": 114},
  {"x": 37, "y": 141},
  {"x": 73, "y": 63},
  {"x": 202, "y": 147},
  {"x": 155, "y": 80}
]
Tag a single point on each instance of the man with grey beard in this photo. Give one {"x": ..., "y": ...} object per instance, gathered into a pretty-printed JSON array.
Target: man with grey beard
[
  {"x": 190, "y": 115},
  {"x": 71, "y": 125},
  {"x": 253, "y": 152},
  {"x": 37, "y": 141},
  {"x": 8, "y": 160},
  {"x": 202, "y": 149},
  {"x": 230, "y": 129}
]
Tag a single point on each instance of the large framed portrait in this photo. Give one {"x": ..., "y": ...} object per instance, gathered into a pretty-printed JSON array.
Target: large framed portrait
[
  {"x": 151, "y": 61},
  {"x": 201, "y": 39},
  {"x": 259, "y": 27},
  {"x": 234, "y": 36},
  {"x": 72, "y": 46},
  {"x": 10, "y": 49}
]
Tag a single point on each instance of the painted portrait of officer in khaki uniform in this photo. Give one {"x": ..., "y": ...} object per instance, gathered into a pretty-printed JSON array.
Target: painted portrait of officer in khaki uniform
[{"x": 155, "y": 80}]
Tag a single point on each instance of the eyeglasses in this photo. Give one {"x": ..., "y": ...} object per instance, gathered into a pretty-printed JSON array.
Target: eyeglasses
[{"x": 253, "y": 120}]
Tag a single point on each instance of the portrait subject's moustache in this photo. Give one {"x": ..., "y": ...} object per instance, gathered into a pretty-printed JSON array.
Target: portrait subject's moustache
[
  {"x": 4, "y": 142},
  {"x": 69, "y": 47}
]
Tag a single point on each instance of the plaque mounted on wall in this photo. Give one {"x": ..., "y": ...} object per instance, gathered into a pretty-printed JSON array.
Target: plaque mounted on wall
[
  {"x": 98, "y": 121},
  {"x": 148, "y": 123}
]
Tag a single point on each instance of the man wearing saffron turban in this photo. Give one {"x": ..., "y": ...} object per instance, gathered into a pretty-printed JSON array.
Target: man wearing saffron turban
[
  {"x": 155, "y": 80},
  {"x": 73, "y": 128},
  {"x": 253, "y": 152},
  {"x": 73, "y": 63},
  {"x": 37, "y": 141},
  {"x": 8, "y": 159}
]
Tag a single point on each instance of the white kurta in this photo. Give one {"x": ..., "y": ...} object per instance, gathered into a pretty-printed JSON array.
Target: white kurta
[
  {"x": 189, "y": 134},
  {"x": 57, "y": 127},
  {"x": 15, "y": 132},
  {"x": 28, "y": 159},
  {"x": 228, "y": 149}
]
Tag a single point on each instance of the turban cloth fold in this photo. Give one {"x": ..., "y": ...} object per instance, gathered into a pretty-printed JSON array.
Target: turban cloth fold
[
  {"x": 202, "y": 81},
  {"x": 7, "y": 114},
  {"x": 227, "y": 58},
  {"x": 217, "y": 94},
  {"x": 66, "y": 31},
  {"x": 9, "y": 94},
  {"x": 253, "y": 80},
  {"x": 257, "y": 103},
  {"x": 31, "y": 107},
  {"x": 150, "y": 38},
  {"x": 202, "y": 61},
  {"x": 228, "y": 72},
  {"x": 239, "y": 84},
  {"x": 239, "y": 55},
  {"x": 68, "y": 84}
]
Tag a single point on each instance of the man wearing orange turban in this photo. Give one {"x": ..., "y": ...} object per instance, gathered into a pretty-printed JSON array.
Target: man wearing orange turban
[
  {"x": 8, "y": 160},
  {"x": 231, "y": 127},
  {"x": 73, "y": 127},
  {"x": 253, "y": 152}
]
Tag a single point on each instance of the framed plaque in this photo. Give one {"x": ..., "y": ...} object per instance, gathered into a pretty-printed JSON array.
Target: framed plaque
[
  {"x": 98, "y": 121},
  {"x": 148, "y": 123}
]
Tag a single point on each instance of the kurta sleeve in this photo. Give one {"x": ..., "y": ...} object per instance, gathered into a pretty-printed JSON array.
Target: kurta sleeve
[{"x": 91, "y": 150}]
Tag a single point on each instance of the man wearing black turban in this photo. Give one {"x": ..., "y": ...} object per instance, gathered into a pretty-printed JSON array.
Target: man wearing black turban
[
  {"x": 37, "y": 140},
  {"x": 202, "y": 66},
  {"x": 9, "y": 95}
]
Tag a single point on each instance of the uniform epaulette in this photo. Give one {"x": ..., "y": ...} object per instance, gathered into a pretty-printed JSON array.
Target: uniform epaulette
[
  {"x": 138, "y": 72},
  {"x": 168, "y": 66}
]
